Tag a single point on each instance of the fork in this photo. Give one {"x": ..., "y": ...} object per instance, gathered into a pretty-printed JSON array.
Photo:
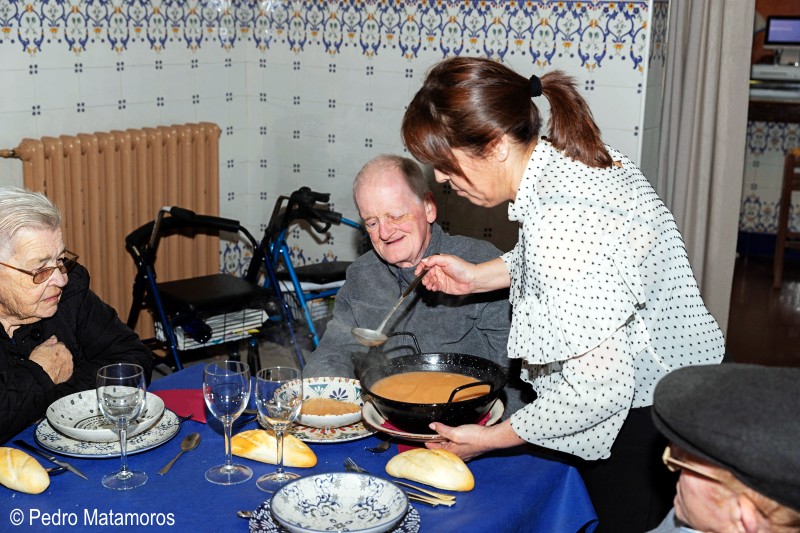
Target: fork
[{"x": 442, "y": 499}]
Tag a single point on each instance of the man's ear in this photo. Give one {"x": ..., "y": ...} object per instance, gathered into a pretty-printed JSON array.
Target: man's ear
[
  {"x": 750, "y": 519},
  {"x": 429, "y": 202}
]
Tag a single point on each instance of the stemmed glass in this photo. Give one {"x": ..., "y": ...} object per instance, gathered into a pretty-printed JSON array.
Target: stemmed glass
[
  {"x": 279, "y": 397},
  {"x": 121, "y": 397},
  {"x": 226, "y": 389}
]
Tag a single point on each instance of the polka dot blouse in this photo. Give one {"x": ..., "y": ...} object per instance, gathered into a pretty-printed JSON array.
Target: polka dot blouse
[{"x": 604, "y": 300}]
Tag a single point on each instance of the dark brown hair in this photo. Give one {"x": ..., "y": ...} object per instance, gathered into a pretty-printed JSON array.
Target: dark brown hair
[{"x": 469, "y": 103}]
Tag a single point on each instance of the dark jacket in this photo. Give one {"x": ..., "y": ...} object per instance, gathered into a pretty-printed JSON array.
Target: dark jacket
[{"x": 89, "y": 328}]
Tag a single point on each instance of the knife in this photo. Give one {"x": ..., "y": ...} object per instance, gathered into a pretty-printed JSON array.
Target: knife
[{"x": 52, "y": 459}]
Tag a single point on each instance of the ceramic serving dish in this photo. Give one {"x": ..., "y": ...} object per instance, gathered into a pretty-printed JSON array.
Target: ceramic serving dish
[
  {"x": 339, "y": 501},
  {"x": 78, "y": 416},
  {"x": 342, "y": 389}
]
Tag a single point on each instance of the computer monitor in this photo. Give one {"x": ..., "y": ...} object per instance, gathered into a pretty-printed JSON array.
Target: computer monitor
[{"x": 783, "y": 35}]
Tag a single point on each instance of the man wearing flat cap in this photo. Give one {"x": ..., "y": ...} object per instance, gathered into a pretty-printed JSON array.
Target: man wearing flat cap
[{"x": 735, "y": 439}]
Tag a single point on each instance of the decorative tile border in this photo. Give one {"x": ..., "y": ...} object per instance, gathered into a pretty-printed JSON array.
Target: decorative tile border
[
  {"x": 587, "y": 31},
  {"x": 772, "y": 137},
  {"x": 758, "y": 214}
]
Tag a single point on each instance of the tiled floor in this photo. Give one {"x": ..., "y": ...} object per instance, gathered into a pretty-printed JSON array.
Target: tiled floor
[{"x": 764, "y": 324}]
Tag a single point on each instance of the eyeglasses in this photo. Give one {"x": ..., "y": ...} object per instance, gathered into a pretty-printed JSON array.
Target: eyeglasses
[
  {"x": 66, "y": 264},
  {"x": 674, "y": 465}
]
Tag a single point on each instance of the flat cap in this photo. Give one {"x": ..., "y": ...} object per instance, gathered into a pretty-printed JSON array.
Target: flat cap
[{"x": 744, "y": 418}]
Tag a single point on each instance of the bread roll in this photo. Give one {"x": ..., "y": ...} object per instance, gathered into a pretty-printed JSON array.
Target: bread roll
[
  {"x": 19, "y": 471},
  {"x": 261, "y": 445},
  {"x": 438, "y": 468}
]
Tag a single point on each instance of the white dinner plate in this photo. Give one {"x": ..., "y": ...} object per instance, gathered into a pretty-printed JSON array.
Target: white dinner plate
[
  {"x": 374, "y": 419},
  {"x": 79, "y": 417},
  {"x": 167, "y": 427}
]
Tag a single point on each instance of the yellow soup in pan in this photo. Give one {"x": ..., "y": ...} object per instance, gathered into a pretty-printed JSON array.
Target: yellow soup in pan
[{"x": 427, "y": 387}]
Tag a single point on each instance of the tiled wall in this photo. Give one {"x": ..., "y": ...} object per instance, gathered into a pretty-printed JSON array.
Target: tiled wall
[
  {"x": 307, "y": 91},
  {"x": 767, "y": 144}
]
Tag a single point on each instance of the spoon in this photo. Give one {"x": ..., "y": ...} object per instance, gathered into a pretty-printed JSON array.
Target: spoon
[
  {"x": 190, "y": 442},
  {"x": 375, "y": 337},
  {"x": 380, "y": 448}
]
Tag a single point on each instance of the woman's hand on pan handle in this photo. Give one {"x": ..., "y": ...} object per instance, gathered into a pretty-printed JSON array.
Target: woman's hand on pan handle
[{"x": 453, "y": 275}]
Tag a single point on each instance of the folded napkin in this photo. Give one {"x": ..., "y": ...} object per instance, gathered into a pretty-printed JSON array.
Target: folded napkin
[
  {"x": 402, "y": 447},
  {"x": 184, "y": 402}
]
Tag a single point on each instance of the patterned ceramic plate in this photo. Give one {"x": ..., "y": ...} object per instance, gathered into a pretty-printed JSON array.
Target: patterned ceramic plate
[
  {"x": 320, "y": 436},
  {"x": 262, "y": 521},
  {"x": 167, "y": 427},
  {"x": 339, "y": 501},
  {"x": 79, "y": 417},
  {"x": 373, "y": 419},
  {"x": 343, "y": 389}
]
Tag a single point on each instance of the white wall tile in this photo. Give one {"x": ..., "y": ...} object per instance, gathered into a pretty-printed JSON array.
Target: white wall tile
[
  {"x": 624, "y": 140},
  {"x": 616, "y": 107},
  {"x": 137, "y": 83},
  {"x": 178, "y": 112},
  {"x": 100, "y": 86},
  {"x": 19, "y": 95},
  {"x": 57, "y": 88}
]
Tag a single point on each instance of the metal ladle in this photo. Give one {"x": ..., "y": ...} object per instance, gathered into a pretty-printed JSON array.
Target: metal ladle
[{"x": 375, "y": 337}]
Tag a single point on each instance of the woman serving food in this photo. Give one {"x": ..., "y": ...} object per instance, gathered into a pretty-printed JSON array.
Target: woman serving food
[{"x": 604, "y": 300}]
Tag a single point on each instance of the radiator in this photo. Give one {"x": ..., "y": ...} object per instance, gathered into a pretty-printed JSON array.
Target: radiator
[{"x": 109, "y": 183}]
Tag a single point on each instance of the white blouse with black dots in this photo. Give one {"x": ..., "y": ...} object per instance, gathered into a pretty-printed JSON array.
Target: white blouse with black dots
[{"x": 605, "y": 302}]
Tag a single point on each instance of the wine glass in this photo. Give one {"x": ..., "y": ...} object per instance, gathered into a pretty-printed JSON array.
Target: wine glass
[
  {"x": 121, "y": 398},
  {"x": 226, "y": 389},
  {"x": 279, "y": 397}
]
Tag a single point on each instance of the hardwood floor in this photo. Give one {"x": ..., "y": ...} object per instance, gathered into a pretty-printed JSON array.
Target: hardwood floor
[{"x": 764, "y": 324}]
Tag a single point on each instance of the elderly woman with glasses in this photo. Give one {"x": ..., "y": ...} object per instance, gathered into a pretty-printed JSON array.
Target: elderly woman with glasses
[{"x": 56, "y": 332}]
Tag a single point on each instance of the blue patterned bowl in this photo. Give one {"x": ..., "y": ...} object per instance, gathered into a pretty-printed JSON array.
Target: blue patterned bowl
[
  {"x": 339, "y": 501},
  {"x": 342, "y": 389}
]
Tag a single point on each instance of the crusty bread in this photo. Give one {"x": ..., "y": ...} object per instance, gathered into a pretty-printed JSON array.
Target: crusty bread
[
  {"x": 261, "y": 445},
  {"x": 19, "y": 471},
  {"x": 437, "y": 468}
]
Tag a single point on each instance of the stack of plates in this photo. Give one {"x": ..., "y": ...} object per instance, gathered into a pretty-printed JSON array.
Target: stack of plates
[
  {"x": 79, "y": 417},
  {"x": 74, "y": 426}
]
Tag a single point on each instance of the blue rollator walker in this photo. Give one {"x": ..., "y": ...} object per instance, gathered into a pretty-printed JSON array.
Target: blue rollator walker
[
  {"x": 185, "y": 308},
  {"x": 304, "y": 205}
]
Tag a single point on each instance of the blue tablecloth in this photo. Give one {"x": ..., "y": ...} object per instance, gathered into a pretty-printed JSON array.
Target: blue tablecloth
[{"x": 514, "y": 490}]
